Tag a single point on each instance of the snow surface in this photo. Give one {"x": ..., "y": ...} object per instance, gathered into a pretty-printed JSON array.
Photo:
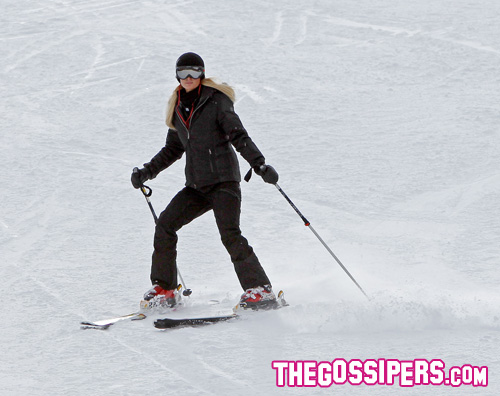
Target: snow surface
[{"x": 383, "y": 120}]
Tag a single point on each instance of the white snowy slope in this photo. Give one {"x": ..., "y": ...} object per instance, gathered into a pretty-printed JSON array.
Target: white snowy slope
[{"x": 383, "y": 121}]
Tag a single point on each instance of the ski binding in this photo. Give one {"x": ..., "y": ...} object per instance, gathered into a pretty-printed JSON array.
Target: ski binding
[{"x": 280, "y": 302}]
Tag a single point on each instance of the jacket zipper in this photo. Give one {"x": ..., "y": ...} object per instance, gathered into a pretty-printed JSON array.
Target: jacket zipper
[
  {"x": 190, "y": 117},
  {"x": 195, "y": 110},
  {"x": 210, "y": 160},
  {"x": 188, "y": 128}
]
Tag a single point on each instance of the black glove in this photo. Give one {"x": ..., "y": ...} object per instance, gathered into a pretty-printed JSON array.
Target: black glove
[
  {"x": 139, "y": 176},
  {"x": 268, "y": 173}
]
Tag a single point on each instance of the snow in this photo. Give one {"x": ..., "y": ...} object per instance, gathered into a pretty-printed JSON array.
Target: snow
[{"x": 382, "y": 118}]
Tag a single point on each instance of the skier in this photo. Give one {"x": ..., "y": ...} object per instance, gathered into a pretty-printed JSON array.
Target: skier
[{"x": 202, "y": 123}]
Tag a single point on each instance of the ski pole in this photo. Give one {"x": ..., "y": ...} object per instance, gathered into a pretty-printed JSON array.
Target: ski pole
[
  {"x": 307, "y": 224},
  {"x": 147, "y": 193}
]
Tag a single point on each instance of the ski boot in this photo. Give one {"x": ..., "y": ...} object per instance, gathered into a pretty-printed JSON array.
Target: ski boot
[
  {"x": 157, "y": 297},
  {"x": 260, "y": 297}
]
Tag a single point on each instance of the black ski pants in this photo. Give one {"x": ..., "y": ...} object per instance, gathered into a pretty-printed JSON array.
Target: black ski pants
[{"x": 225, "y": 201}]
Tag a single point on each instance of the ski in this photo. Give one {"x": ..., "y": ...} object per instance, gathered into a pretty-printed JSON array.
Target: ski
[
  {"x": 106, "y": 323},
  {"x": 169, "y": 323},
  {"x": 144, "y": 307}
]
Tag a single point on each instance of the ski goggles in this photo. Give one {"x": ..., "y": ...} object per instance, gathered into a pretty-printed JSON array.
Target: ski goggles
[{"x": 189, "y": 71}]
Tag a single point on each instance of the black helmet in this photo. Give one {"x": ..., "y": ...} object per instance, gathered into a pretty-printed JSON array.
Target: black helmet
[{"x": 190, "y": 59}]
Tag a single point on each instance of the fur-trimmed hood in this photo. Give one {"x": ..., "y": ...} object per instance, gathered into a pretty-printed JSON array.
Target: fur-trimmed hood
[{"x": 208, "y": 82}]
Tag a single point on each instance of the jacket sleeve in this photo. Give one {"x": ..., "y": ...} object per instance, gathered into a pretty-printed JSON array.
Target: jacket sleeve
[
  {"x": 236, "y": 133},
  {"x": 170, "y": 153}
]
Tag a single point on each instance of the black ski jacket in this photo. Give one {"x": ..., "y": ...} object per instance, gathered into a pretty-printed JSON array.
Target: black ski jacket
[{"x": 207, "y": 138}]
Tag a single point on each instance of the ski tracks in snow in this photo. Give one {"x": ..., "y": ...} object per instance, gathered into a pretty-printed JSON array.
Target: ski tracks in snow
[
  {"x": 177, "y": 354},
  {"x": 23, "y": 55},
  {"x": 189, "y": 384},
  {"x": 452, "y": 201},
  {"x": 436, "y": 34},
  {"x": 294, "y": 30},
  {"x": 286, "y": 31}
]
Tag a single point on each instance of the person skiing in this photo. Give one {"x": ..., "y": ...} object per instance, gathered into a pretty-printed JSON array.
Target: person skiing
[{"x": 202, "y": 123}]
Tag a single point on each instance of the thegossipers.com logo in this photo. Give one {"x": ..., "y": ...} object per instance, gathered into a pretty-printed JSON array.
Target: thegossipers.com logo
[{"x": 405, "y": 373}]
